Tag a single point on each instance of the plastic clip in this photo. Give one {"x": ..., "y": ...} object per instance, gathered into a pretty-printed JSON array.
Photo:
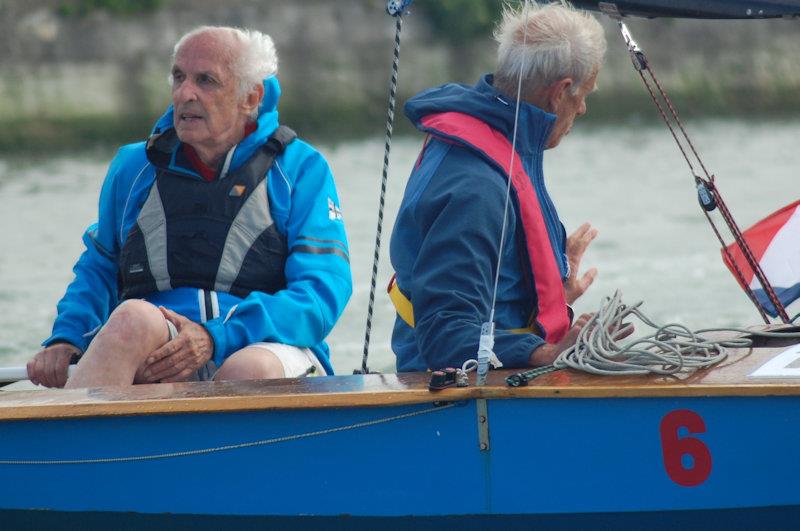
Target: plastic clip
[
  {"x": 442, "y": 379},
  {"x": 397, "y": 7}
]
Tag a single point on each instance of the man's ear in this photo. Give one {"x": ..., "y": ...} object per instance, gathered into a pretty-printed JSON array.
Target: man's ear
[
  {"x": 556, "y": 93},
  {"x": 253, "y": 98}
]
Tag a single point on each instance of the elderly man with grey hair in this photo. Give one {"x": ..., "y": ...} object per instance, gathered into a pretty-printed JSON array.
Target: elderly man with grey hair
[
  {"x": 483, "y": 140},
  {"x": 219, "y": 250}
]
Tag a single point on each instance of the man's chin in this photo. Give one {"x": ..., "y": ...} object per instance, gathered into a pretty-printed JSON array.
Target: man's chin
[
  {"x": 553, "y": 142},
  {"x": 186, "y": 134}
]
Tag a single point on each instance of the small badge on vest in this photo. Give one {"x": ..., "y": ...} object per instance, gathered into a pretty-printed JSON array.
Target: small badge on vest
[
  {"x": 136, "y": 268},
  {"x": 334, "y": 212},
  {"x": 237, "y": 190}
]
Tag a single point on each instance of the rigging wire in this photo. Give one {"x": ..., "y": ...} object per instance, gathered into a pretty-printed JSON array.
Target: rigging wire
[
  {"x": 705, "y": 185},
  {"x": 398, "y": 14},
  {"x": 486, "y": 355},
  {"x": 510, "y": 167}
]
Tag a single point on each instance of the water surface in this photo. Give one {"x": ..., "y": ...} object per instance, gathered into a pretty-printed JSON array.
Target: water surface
[{"x": 628, "y": 181}]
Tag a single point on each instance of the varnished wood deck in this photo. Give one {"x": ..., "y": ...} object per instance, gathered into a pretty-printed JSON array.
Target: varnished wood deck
[{"x": 727, "y": 379}]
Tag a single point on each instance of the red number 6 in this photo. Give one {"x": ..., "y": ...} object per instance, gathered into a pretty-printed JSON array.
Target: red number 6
[{"x": 674, "y": 447}]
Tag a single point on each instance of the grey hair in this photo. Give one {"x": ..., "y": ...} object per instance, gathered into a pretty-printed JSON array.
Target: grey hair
[
  {"x": 559, "y": 42},
  {"x": 253, "y": 61}
]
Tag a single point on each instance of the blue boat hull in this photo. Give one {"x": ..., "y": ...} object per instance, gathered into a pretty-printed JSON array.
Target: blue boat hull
[
  {"x": 551, "y": 463},
  {"x": 771, "y": 518}
]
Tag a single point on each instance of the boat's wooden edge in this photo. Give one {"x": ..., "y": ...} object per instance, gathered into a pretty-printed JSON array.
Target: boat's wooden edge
[
  {"x": 729, "y": 379},
  {"x": 218, "y": 404}
]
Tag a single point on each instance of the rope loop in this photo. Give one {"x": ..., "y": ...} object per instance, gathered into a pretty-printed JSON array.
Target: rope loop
[{"x": 672, "y": 348}]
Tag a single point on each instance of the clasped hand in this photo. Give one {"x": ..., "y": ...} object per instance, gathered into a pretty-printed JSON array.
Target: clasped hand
[
  {"x": 180, "y": 357},
  {"x": 50, "y": 365}
]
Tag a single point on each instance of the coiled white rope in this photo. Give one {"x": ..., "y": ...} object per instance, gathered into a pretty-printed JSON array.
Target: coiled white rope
[{"x": 599, "y": 348}]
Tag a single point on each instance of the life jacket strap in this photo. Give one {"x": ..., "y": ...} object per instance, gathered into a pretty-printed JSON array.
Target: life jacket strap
[
  {"x": 402, "y": 304},
  {"x": 405, "y": 310}
]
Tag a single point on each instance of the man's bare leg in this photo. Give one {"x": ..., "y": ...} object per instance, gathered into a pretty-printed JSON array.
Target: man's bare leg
[
  {"x": 250, "y": 363},
  {"x": 134, "y": 330}
]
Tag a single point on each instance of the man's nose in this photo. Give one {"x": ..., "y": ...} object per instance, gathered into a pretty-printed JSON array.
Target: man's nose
[
  {"x": 186, "y": 91},
  {"x": 582, "y": 108}
]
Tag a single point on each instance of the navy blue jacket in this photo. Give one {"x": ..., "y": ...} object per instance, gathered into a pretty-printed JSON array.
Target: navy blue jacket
[{"x": 446, "y": 238}]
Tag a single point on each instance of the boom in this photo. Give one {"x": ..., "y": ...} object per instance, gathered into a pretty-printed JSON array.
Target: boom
[{"x": 714, "y": 9}]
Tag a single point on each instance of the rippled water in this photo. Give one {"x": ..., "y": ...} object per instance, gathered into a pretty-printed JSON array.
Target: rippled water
[{"x": 629, "y": 181}]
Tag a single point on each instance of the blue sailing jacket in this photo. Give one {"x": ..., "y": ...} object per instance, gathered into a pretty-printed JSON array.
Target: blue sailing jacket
[
  {"x": 305, "y": 207},
  {"x": 446, "y": 238}
]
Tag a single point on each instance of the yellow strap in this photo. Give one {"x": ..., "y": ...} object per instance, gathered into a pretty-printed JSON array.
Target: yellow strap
[
  {"x": 401, "y": 303},
  {"x": 405, "y": 309}
]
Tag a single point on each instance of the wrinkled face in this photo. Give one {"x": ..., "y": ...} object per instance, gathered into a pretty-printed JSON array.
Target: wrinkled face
[
  {"x": 568, "y": 108},
  {"x": 209, "y": 113}
]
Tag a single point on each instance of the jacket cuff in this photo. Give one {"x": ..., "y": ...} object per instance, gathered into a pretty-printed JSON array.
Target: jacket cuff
[
  {"x": 517, "y": 349},
  {"x": 216, "y": 329},
  {"x": 80, "y": 343}
]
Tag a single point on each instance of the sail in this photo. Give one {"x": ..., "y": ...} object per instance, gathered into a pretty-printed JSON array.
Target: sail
[
  {"x": 699, "y": 8},
  {"x": 775, "y": 242}
]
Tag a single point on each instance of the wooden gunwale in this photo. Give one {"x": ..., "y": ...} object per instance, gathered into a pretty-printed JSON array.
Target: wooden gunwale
[{"x": 729, "y": 379}]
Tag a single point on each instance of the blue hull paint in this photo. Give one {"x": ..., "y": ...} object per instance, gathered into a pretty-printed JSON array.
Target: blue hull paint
[
  {"x": 762, "y": 518},
  {"x": 553, "y": 460}
]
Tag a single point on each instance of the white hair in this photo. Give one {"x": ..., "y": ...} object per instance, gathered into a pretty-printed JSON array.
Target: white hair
[
  {"x": 254, "y": 60},
  {"x": 547, "y": 43}
]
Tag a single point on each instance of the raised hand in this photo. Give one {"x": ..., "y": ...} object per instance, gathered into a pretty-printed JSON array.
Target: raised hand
[{"x": 577, "y": 243}]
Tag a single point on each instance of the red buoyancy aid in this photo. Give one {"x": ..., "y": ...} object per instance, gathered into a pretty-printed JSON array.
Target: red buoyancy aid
[{"x": 551, "y": 314}]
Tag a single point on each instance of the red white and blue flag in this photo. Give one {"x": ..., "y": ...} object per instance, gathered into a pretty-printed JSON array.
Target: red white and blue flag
[{"x": 775, "y": 242}]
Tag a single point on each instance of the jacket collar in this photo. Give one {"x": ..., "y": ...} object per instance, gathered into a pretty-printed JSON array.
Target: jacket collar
[
  {"x": 267, "y": 124},
  {"x": 484, "y": 102}
]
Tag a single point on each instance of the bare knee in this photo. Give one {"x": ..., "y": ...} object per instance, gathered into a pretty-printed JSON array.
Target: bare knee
[
  {"x": 136, "y": 322},
  {"x": 251, "y": 363},
  {"x": 133, "y": 330}
]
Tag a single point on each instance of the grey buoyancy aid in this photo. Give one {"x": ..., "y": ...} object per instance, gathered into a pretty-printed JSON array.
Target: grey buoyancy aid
[{"x": 216, "y": 235}]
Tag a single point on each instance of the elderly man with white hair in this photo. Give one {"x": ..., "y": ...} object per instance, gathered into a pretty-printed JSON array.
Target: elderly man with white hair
[
  {"x": 446, "y": 243},
  {"x": 219, "y": 250}
]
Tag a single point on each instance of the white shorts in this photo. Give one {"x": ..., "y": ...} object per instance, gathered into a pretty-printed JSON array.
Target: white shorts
[{"x": 296, "y": 361}]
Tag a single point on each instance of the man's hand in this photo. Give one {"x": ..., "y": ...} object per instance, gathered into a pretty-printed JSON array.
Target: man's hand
[
  {"x": 181, "y": 357},
  {"x": 547, "y": 353},
  {"x": 49, "y": 367},
  {"x": 577, "y": 243}
]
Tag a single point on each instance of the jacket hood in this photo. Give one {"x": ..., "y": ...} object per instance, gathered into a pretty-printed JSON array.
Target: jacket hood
[
  {"x": 486, "y": 103},
  {"x": 267, "y": 123}
]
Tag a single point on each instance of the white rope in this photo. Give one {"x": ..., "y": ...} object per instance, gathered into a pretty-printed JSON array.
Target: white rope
[
  {"x": 671, "y": 349},
  {"x": 228, "y": 447}
]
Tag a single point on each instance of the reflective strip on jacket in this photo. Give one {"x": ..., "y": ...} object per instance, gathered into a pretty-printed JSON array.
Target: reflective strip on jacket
[{"x": 300, "y": 189}]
